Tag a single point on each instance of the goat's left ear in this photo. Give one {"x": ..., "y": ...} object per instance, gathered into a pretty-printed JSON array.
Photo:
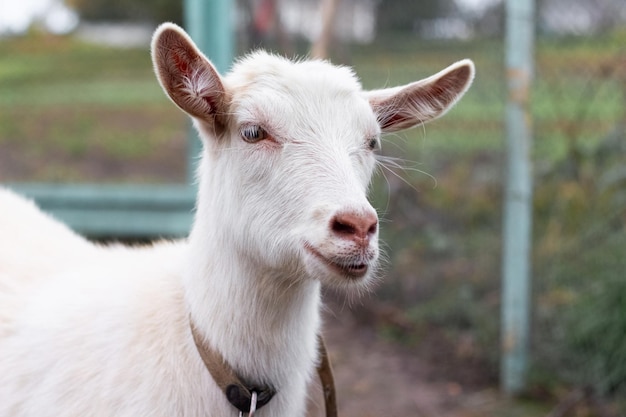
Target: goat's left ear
[
  {"x": 186, "y": 75},
  {"x": 403, "y": 107}
]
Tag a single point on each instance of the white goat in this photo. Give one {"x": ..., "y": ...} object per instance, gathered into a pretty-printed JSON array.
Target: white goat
[{"x": 282, "y": 209}]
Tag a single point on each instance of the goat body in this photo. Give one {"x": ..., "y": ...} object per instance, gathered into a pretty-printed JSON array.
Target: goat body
[{"x": 287, "y": 160}]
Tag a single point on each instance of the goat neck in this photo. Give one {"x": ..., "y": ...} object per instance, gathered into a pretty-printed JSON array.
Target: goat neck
[{"x": 250, "y": 312}]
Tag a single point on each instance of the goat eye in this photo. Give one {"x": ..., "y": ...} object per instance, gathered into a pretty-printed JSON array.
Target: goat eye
[
  {"x": 253, "y": 133},
  {"x": 372, "y": 144}
]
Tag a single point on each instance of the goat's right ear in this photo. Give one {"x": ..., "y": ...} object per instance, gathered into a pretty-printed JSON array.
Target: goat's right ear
[{"x": 186, "y": 75}]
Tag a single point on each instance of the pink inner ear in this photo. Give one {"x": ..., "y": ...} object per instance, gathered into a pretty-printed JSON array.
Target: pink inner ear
[
  {"x": 181, "y": 64},
  {"x": 400, "y": 111},
  {"x": 392, "y": 119}
]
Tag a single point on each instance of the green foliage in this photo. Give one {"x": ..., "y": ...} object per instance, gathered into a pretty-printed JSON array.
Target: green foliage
[
  {"x": 581, "y": 311},
  {"x": 583, "y": 318}
]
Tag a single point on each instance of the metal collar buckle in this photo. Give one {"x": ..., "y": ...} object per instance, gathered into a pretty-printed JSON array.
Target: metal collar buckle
[{"x": 252, "y": 405}]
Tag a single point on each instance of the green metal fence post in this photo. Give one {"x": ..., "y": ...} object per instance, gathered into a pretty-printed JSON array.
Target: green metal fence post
[
  {"x": 518, "y": 197},
  {"x": 210, "y": 25}
]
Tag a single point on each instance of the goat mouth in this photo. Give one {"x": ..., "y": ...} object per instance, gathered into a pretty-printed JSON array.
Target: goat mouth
[{"x": 346, "y": 268}]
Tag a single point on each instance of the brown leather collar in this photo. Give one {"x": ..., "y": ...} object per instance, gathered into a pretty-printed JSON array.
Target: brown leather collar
[
  {"x": 239, "y": 393},
  {"x": 325, "y": 373}
]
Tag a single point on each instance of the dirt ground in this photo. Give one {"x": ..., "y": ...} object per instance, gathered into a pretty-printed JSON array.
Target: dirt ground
[{"x": 377, "y": 377}]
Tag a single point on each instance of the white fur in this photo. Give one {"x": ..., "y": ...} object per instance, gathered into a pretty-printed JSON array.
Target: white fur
[{"x": 104, "y": 331}]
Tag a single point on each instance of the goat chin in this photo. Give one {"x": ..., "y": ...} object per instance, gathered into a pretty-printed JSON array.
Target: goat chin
[{"x": 288, "y": 154}]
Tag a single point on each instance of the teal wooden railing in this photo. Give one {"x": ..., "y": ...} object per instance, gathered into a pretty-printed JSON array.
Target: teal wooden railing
[{"x": 142, "y": 211}]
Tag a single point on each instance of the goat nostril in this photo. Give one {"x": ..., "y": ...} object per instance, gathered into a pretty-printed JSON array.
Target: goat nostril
[
  {"x": 343, "y": 228},
  {"x": 354, "y": 226}
]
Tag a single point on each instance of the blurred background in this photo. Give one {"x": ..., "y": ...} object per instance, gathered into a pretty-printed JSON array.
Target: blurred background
[{"x": 79, "y": 104}]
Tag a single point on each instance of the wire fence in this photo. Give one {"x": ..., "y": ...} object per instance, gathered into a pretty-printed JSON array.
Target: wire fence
[
  {"x": 581, "y": 193},
  {"x": 446, "y": 241}
]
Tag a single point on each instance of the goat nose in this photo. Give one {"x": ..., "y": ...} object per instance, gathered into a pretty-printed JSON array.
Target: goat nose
[{"x": 355, "y": 226}]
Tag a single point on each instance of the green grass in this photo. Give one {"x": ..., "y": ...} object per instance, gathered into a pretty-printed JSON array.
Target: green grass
[
  {"x": 67, "y": 103},
  {"x": 108, "y": 92}
]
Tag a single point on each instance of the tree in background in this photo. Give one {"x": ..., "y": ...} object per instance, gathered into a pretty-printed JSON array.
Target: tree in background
[{"x": 153, "y": 11}]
